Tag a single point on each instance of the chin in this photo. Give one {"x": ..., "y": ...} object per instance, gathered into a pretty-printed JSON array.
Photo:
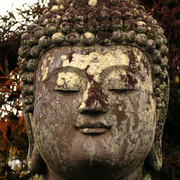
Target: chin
[
  {"x": 100, "y": 167},
  {"x": 97, "y": 170}
]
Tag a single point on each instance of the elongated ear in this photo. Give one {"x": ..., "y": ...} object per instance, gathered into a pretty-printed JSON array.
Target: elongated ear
[
  {"x": 27, "y": 118},
  {"x": 35, "y": 163},
  {"x": 153, "y": 161}
]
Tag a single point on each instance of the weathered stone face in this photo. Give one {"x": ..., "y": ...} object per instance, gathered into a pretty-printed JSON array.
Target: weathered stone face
[{"x": 94, "y": 111}]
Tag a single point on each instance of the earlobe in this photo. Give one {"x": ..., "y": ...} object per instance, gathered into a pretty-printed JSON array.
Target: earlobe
[
  {"x": 153, "y": 161},
  {"x": 35, "y": 163},
  {"x": 28, "y": 118}
]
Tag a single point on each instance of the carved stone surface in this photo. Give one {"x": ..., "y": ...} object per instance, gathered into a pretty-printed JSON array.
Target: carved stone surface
[{"x": 95, "y": 100}]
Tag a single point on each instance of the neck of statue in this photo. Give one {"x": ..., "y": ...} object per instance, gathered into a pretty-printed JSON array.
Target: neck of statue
[{"x": 136, "y": 175}]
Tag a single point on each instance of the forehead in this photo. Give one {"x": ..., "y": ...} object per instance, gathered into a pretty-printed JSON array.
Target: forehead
[{"x": 94, "y": 59}]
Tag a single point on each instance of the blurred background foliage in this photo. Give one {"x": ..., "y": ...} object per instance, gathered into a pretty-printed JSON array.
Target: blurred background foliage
[{"x": 13, "y": 137}]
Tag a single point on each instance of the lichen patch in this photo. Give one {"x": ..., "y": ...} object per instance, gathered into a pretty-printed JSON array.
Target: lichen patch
[
  {"x": 92, "y": 2},
  {"x": 68, "y": 81},
  {"x": 44, "y": 72}
]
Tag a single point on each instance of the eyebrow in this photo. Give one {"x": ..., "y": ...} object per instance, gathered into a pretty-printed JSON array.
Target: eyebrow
[
  {"x": 79, "y": 71},
  {"x": 62, "y": 69},
  {"x": 113, "y": 68}
]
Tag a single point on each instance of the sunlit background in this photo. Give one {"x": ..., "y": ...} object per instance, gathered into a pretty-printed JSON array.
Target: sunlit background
[{"x": 11, "y": 5}]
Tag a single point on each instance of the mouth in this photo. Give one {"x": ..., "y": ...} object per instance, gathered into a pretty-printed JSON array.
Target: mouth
[{"x": 93, "y": 128}]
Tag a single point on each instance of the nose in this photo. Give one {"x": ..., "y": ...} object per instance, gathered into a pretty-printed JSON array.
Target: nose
[
  {"x": 94, "y": 101},
  {"x": 94, "y": 108}
]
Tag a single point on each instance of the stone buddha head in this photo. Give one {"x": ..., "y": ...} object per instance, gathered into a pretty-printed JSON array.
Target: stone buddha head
[{"x": 95, "y": 90}]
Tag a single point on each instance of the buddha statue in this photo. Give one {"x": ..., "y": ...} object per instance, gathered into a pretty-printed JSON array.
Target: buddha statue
[{"x": 95, "y": 91}]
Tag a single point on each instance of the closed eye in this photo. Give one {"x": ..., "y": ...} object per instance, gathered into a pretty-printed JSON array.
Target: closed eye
[
  {"x": 122, "y": 90},
  {"x": 66, "y": 89}
]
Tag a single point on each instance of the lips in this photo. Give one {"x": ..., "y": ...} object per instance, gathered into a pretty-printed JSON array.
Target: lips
[{"x": 93, "y": 128}]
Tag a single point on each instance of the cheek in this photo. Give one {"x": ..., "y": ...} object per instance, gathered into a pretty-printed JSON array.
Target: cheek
[
  {"x": 54, "y": 114},
  {"x": 136, "y": 118},
  {"x": 53, "y": 124},
  {"x": 136, "y": 122},
  {"x": 139, "y": 105}
]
